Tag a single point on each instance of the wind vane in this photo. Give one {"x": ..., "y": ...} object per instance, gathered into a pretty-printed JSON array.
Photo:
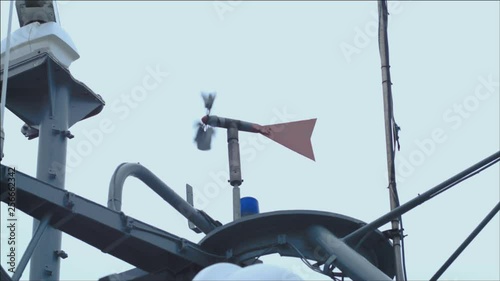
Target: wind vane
[{"x": 293, "y": 135}]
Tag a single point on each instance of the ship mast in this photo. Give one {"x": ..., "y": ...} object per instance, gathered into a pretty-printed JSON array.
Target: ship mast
[{"x": 390, "y": 136}]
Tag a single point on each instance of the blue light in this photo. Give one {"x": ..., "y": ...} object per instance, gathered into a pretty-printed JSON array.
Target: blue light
[{"x": 249, "y": 206}]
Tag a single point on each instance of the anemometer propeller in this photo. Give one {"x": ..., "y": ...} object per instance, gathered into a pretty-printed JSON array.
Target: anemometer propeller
[{"x": 293, "y": 135}]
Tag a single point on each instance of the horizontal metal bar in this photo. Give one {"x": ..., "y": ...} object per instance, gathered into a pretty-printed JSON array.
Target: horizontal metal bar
[
  {"x": 99, "y": 227},
  {"x": 223, "y": 122}
]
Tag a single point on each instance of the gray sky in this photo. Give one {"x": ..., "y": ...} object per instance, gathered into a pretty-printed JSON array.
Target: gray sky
[{"x": 279, "y": 62}]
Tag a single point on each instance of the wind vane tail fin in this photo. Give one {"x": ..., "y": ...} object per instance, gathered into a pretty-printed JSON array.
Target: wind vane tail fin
[{"x": 293, "y": 135}]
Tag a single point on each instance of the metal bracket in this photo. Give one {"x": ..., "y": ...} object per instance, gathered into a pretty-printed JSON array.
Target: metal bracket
[
  {"x": 391, "y": 233},
  {"x": 128, "y": 222},
  {"x": 183, "y": 245},
  {"x": 69, "y": 203},
  {"x": 48, "y": 271},
  {"x": 329, "y": 266},
  {"x": 30, "y": 132},
  {"x": 68, "y": 200},
  {"x": 64, "y": 133},
  {"x": 52, "y": 172},
  {"x": 68, "y": 134},
  {"x": 61, "y": 254},
  {"x": 189, "y": 197}
]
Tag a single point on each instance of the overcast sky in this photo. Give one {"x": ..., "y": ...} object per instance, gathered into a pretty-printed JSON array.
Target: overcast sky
[{"x": 274, "y": 62}]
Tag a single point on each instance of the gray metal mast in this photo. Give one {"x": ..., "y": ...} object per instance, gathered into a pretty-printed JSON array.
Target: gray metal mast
[
  {"x": 41, "y": 93},
  {"x": 389, "y": 134},
  {"x": 51, "y": 165}
]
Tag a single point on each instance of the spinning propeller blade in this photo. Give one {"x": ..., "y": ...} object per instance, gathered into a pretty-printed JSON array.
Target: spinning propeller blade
[{"x": 205, "y": 133}]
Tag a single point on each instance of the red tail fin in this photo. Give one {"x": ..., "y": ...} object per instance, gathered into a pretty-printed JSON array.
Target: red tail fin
[{"x": 294, "y": 135}]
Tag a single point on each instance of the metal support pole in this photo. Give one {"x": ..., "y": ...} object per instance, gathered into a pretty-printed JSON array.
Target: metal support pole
[
  {"x": 344, "y": 257},
  {"x": 51, "y": 168},
  {"x": 389, "y": 134},
  {"x": 466, "y": 242},
  {"x": 236, "y": 203},
  {"x": 5, "y": 79},
  {"x": 234, "y": 167},
  {"x": 31, "y": 247},
  {"x": 421, "y": 198}
]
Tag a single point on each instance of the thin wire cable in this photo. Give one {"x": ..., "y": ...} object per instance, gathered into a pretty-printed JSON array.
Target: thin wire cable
[
  {"x": 304, "y": 259},
  {"x": 6, "y": 65},
  {"x": 267, "y": 250}
]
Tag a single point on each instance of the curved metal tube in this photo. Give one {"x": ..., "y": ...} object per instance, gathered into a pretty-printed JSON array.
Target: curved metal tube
[{"x": 125, "y": 170}]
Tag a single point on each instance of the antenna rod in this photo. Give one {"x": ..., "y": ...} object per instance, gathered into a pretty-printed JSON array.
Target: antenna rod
[
  {"x": 5, "y": 79},
  {"x": 389, "y": 134}
]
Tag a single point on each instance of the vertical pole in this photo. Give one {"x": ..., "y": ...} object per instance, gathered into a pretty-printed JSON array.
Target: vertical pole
[
  {"x": 51, "y": 168},
  {"x": 234, "y": 168},
  {"x": 236, "y": 202},
  {"x": 5, "y": 80},
  {"x": 6, "y": 62},
  {"x": 389, "y": 133}
]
